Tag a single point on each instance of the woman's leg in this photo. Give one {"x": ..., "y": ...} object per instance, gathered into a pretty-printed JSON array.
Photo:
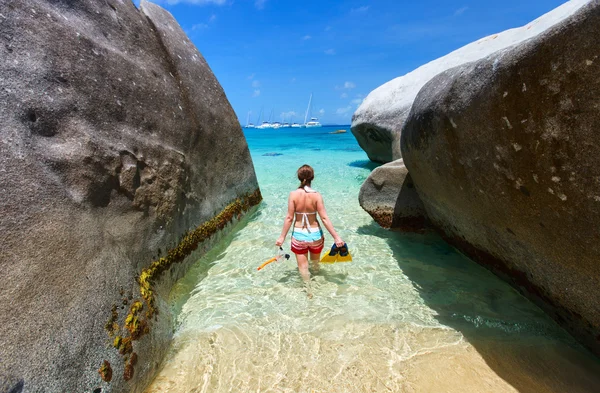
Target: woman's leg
[
  {"x": 315, "y": 253},
  {"x": 302, "y": 260},
  {"x": 314, "y": 261}
]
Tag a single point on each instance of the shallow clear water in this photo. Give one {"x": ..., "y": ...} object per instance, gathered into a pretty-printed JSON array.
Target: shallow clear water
[{"x": 409, "y": 313}]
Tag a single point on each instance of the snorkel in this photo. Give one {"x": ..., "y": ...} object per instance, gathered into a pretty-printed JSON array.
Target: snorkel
[{"x": 280, "y": 255}]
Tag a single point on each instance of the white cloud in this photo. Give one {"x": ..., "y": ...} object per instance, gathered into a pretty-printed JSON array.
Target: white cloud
[
  {"x": 321, "y": 111},
  {"x": 255, "y": 83},
  {"x": 343, "y": 111},
  {"x": 288, "y": 115},
  {"x": 357, "y": 102},
  {"x": 256, "y": 93},
  {"x": 204, "y": 26},
  {"x": 260, "y": 4},
  {"x": 344, "y": 95},
  {"x": 460, "y": 11},
  {"x": 364, "y": 8},
  {"x": 306, "y": 37},
  {"x": 346, "y": 85},
  {"x": 251, "y": 76},
  {"x": 330, "y": 52}
]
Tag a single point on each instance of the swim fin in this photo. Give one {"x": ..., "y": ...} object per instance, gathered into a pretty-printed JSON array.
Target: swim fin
[
  {"x": 331, "y": 255},
  {"x": 344, "y": 254}
]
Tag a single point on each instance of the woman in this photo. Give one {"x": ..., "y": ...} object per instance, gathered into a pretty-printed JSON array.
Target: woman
[{"x": 307, "y": 236}]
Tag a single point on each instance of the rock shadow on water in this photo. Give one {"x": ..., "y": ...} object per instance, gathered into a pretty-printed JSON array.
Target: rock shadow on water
[
  {"x": 183, "y": 289},
  {"x": 517, "y": 340},
  {"x": 366, "y": 164}
]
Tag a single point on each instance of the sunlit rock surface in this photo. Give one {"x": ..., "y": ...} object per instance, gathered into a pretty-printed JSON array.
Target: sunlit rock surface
[
  {"x": 504, "y": 154},
  {"x": 115, "y": 140},
  {"x": 378, "y": 121},
  {"x": 390, "y": 197}
]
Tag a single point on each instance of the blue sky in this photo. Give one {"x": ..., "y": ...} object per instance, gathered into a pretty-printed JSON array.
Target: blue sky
[{"x": 272, "y": 54}]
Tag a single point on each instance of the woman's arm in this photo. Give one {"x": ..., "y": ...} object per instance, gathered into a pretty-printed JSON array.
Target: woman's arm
[
  {"x": 325, "y": 218},
  {"x": 287, "y": 222}
]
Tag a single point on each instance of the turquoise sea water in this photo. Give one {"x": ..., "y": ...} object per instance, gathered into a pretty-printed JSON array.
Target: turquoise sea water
[{"x": 410, "y": 313}]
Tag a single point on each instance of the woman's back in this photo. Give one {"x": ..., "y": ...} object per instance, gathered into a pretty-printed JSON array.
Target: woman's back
[{"x": 305, "y": 205}]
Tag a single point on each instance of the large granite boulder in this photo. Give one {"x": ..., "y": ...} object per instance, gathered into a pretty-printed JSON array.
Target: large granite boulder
[
  {"x": 505, "y": 155},
  {"x": 390, "y": 197},
  {"x": 121, "y": 161},
  {"x": 378, "y": 121}
]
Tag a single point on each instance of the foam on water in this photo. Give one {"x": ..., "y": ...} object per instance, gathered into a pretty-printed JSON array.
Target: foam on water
[{"x": 410, "y": 313}]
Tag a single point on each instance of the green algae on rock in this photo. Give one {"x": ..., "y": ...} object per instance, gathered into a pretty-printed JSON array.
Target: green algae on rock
[
  {"x": 189, "y": 243},
  {"x": 138, "y": 325}
]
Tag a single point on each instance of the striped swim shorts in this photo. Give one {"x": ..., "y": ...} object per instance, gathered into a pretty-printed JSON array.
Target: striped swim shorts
[{"x": 304, "y": 241}]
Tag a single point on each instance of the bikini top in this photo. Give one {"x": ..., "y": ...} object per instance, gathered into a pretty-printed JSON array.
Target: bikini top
[{"x": 305, "y": 222}]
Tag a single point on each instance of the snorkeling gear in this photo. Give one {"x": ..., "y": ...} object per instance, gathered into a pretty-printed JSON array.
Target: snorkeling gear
[
  {"x": 280, "y": 255},
  {"x": 344, "y": 254},
  {"x": 337, "y": 254}
]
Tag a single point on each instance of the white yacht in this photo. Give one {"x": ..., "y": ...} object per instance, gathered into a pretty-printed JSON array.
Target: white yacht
[
  {"x": 296, "y": 125},
  {"x": 314, "y": 122},
  {"x": 265, "y": 124}
]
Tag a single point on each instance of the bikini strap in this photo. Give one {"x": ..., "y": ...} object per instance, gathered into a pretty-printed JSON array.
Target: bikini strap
[{"x": 305, "y": 222}]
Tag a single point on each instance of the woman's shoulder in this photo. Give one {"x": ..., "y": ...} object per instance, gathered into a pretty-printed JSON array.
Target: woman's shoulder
[{"x": 294, "y": 193}]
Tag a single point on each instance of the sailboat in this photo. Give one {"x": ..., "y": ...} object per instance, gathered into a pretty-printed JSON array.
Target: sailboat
[
  {"x": 284, "y": 124},
  {"x": 264, "y": 124},
  {"x": 248, "y": 124},
  {"x": 314, "y": 122}
]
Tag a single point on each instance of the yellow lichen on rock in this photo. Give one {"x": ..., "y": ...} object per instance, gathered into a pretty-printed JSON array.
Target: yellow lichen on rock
[
  {"x": 190, "y": 243},
  {"x": 134, "y": 322},
  {"x": 105, "y": 371},
  {"x": 117, "y": 342}
]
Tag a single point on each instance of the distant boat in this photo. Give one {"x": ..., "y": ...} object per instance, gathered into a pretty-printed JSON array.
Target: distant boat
[
  {"x": 314, "y": 122},
  {"x": 265, "y": 124},
  {"x": 338, "y": 132},
  {"x": 296, "y": 125},
  {"x": 248, "y": 124}
]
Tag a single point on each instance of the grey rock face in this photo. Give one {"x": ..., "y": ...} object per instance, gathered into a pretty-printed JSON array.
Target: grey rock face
[
  {"x": 115, "y": 139},
  {"x": 378, "y": 121},
  {"x": 390, "y": 197},
  {"x": 504, "y": 153}
]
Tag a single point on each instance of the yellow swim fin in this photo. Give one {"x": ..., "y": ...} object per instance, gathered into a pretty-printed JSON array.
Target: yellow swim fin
[
  {"x": 344, "y": 254},
  {"x": 331, "y": 256}
]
